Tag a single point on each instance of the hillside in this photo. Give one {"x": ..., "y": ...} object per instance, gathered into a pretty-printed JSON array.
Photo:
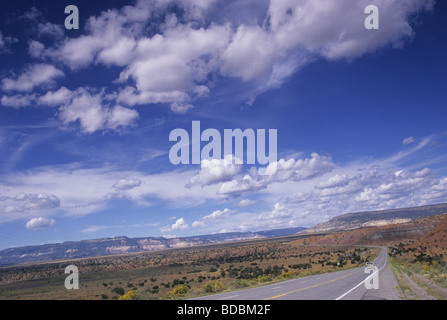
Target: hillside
[
  {"x": 419, "y": 230},
  {"x": 434, "y": 242},
  {"x": 122, "y": 244},
  {"x": 357, "y": 220}
]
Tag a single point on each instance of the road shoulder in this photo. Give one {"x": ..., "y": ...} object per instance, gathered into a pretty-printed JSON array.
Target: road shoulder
[{"x": 389, "y": 288}]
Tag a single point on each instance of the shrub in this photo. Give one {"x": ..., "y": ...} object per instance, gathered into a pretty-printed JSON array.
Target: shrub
[
  {"x": 239, "y": 283},
  {"x": 213, "y": 286},
  {"x": 264, "y": 278},
  {"x": 288, "y": 275},
  {"x": 180, "y": 290},
  {"x": 131, "y": 295},
  {"x": 118, "y": 290}
]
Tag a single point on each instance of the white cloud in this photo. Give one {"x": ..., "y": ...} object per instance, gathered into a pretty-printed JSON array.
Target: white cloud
[
  {"x": 216, "y": 170},
  {"x": 176, "y": 62},
  {"x": 126, "y": 184},
  {"x": 33, "y": 76},
  {"x": 250, "y": 54},
  {"x": 335, "y": 181},
  {"x": 246, "y": 202},
  {"x": 279, "y": 212},
  {"x": 23, "y": 203},
  {"x": 55, "y": 98},
  {"x": 39, "y": 223},
  {"x": 92, "y": 114},
  {"x": 17, "y": 100},
  {"x": 180, "y": 224},
  {"x": 36, "y": 201},
  {"x": 83, "y": 191},
  {"x": 215, "y": 215},
  {"x": 121, "y": 117},
  {"x": 278, "y": 172}
]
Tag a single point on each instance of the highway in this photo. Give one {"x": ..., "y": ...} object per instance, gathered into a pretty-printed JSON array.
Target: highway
[{"x": 341, "y": 285}]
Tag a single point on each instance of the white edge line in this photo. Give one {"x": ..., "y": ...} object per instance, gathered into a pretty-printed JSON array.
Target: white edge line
[{"x": 367, "y": 278}]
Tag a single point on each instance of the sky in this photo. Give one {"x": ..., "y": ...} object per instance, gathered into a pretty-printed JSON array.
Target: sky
[{"x": 86, "y": 114}]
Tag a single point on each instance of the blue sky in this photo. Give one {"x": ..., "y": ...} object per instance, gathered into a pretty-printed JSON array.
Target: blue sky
[{"x": 85, "y": 115}]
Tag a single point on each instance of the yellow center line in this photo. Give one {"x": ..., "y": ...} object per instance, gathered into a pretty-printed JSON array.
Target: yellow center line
[{"x": 314, "y": 286}]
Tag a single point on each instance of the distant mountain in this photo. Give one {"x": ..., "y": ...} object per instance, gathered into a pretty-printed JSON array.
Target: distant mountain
[
  {"x": 357, "y": 220},
  {"x": 122, "y": 244}
]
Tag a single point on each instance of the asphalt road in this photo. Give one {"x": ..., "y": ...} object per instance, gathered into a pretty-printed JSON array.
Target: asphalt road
[{"x": 341, "y": 285}]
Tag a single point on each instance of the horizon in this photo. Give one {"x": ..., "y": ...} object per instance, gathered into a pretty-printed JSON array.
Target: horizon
[
  {"x": 86, "y": 115},
  {"x": 216, "y": 233}
]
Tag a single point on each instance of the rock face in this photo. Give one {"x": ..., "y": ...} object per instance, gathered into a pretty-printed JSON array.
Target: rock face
[
  {"x": 357, "y": 220},
  {"x": 122, "y": 244}
]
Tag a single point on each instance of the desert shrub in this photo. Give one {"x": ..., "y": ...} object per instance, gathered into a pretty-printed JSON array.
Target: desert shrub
[
  {"x": 180, "y": 290},
  {"x": 239, "y": 283},
  {"x": 213, "y": 286},
  {"x": 288, "y": 275},
  {"x": 138, "y": 295},
  {"x": 264, "y": 278},
  {"x": 131, "y": 295},
  {"x": 118, "y": 290}
]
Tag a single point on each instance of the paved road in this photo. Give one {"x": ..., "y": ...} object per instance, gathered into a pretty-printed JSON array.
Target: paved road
[{"x": 341, "y": 285}]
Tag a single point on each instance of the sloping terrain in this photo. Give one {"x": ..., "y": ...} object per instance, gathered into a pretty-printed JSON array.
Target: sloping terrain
[
  {"x": 357, "y": 220},
  {"x": 418, "y": 229},
  {"x": 435, "y": 241}
]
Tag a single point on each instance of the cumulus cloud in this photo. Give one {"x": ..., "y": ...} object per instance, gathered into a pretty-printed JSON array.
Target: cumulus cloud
[
  {"x": 180, "y": 224},
  {"x": 189, "y": 49},
  {"x": 91, "y": 112},
  {"x": 17, "y": 100},
  {"x": 277, "y": 172},
  {"x": 40, "y": 200},
  {"x": 55, "y": 98},
  {"x": 28, "y": 202},
  {"x": 39, "y": 223},
  {"x": 32, "y": 76},
  {"x": 216, "y": 170},
  {"x": 279, "y": 212}
]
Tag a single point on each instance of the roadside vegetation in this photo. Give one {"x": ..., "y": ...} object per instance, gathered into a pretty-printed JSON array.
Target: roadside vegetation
[{"x": 421, "y": 274}]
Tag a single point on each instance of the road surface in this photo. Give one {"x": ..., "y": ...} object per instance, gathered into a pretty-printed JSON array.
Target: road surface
[{"x": 341, "y": 285}]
